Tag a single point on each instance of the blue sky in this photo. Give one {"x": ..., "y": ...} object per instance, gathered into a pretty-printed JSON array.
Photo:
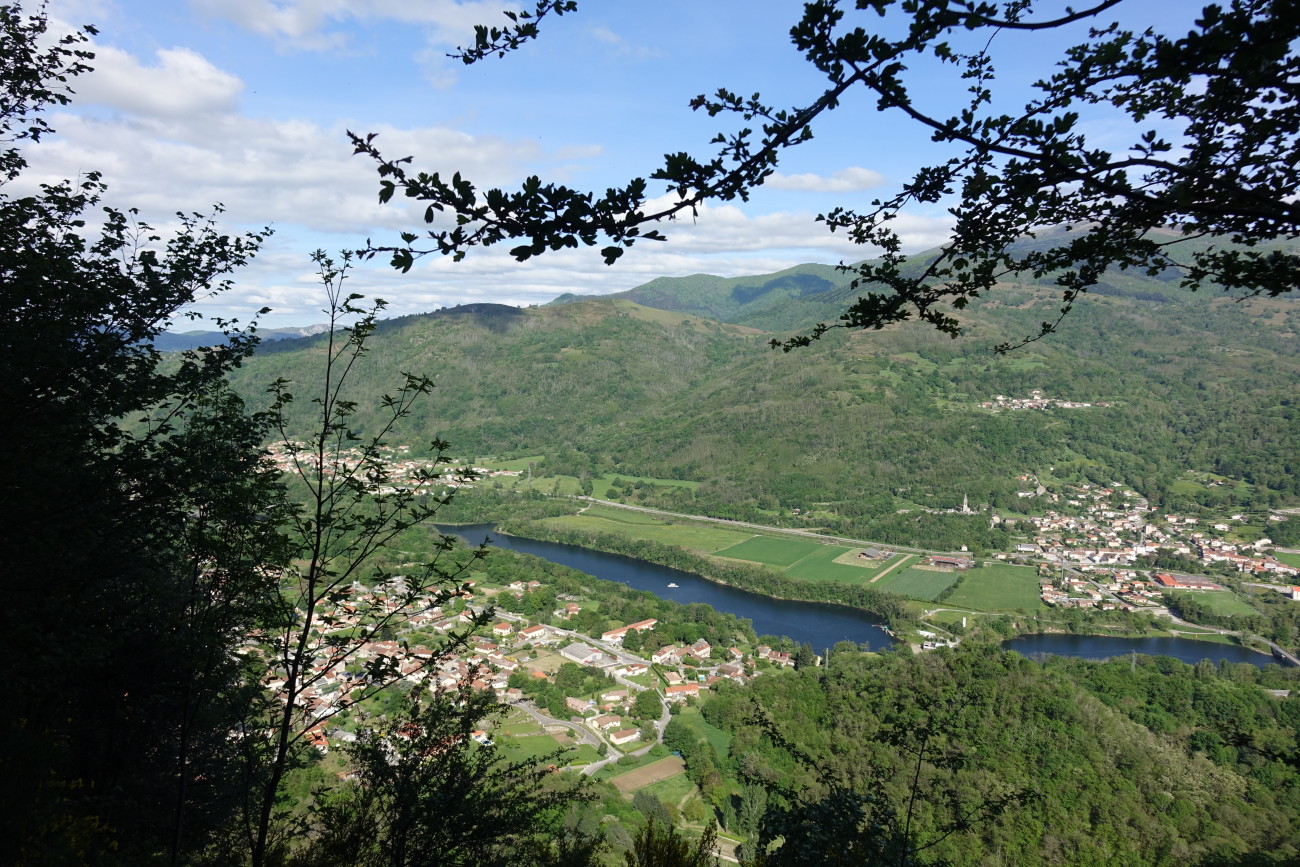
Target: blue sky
[{"x": 246, "y": 102}]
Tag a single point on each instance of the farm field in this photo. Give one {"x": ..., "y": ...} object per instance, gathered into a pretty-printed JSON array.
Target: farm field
[
  {"x": 647, "y": 774},
  {"x": 998, "y": 588},
  {"x": 1218, "y": 601},
  {"x": 638, "y": 525},
  {"x": 919, "y": 583},
  {"x": 771, "y": 551},
  {"x": 1289, "y": 559},
  {"x": 820, "y": 565},
  {"x": 805, "y": 560}
]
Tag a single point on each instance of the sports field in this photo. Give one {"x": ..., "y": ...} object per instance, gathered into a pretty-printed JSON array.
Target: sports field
[{"x": 998, "y": 588}]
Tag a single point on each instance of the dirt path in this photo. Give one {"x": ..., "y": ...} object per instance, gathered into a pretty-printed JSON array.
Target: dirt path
[{"x": 883, "y": 572}]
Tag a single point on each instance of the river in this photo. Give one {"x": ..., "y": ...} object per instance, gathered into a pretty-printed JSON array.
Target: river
[
  {"x": 1104, "y": 647},
  {"x": 820, "y": 624}
]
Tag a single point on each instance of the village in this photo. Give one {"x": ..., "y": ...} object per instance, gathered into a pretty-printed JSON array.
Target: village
[
  {"x": 1092, "y": 552},
  {"x": 497, "y": 649}
]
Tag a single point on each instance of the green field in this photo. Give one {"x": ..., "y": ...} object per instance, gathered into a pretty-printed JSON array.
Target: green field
[
  {"x": 772, "y": 551},
  {"x": 640, "y": 525},
  {"x": 1218, "y": 601},
  {"x": 719, "y": 739},
  {"x": 534, "y": 747},
  {"x": 802, "y": 559},
  {"x": 672, "y": 790},
  {"x": 919, "y": 583},
  {"x": 820, "y": 565},
  {"x": 998, "y": 588},
  {"x": 1289, "y": 559}
]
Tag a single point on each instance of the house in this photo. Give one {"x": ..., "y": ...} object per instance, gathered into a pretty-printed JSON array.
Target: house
[
  {"x": 626, "y": 736},
  {"x": 665, "y": 655},
  {"x": 580, "y": 705},
  {"x": 502, "y": 629},
  {"x": 537, "y": 634},
  {"x": 682, "y": 691},
  {"x": 606, "y": 722}
]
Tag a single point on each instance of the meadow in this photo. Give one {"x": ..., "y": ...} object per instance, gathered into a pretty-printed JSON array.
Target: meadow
[{"x": 998, "y": 588}]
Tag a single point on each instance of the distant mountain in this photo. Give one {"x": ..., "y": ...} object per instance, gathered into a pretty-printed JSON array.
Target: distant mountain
[
  {"x": 170, "y": 341},
  {"x": 729, "y": 299},
  {"x": 860, "y": 425}
]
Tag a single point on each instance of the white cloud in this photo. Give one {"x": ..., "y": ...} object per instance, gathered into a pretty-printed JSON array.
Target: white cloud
[
  {"x": 723, "y": 241},
  {"x": 180, "y": 83},
  {"x": 622, "y": 46},
  {"x": 285, "y": 172},
  {"x": 323, "y": 24},
  {"x": 844, "y": 181}
]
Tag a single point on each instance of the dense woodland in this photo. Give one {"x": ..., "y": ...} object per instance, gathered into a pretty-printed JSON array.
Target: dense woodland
[{"x": 977, "y": 754}]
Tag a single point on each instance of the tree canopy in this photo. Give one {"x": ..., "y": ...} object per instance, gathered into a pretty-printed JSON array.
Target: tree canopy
[{"x": 1211, "y": 156}]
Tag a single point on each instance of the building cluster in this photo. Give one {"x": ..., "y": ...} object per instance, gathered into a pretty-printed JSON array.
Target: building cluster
[
  {"x": 1103, "y": 534},
  {"x": 402, "y": 470},
  {"x": 1036, "y": 400}
]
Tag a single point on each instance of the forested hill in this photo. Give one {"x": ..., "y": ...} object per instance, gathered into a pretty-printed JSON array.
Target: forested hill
[{"x": 860, "y": 425}]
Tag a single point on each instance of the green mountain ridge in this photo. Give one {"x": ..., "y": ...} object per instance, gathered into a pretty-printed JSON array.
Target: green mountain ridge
[{"x": 860, "y": 425}]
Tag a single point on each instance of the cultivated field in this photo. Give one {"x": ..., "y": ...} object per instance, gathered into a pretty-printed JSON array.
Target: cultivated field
[
  {"x": 639, "y": 525},
  {"x": 647, "y": 774},
  {"x": 772, "y": 551},
  {"x": 916, "y": 583},
  {"x": 998, "y": 588}
]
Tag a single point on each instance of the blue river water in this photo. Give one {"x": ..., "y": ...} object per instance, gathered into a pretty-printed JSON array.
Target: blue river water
[{"x": 820, "y": 624}]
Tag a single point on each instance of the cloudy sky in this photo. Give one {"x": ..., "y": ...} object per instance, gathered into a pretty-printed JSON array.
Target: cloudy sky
[{"x": 247, "y": 103}]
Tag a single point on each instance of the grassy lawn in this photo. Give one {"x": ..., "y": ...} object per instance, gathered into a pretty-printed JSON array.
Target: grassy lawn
[
  {"x": 638, "y": 525},
  {"x": 672, "y": 790},
  {"x": 719, "y": 739},
  {"x": 1289, "y": 559},
  {"x": 919, "y": 583},
  {"x": 583, "y": 754},
  {"x": 1208, "y": 636},
  {"x": 533, "y": 747},
  {"x": 614, "y": 769},
  {"x": 772, "y": 551},
  {"x": 998, "y": 588},
  {"x": 1218, "y": 601}
]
